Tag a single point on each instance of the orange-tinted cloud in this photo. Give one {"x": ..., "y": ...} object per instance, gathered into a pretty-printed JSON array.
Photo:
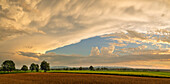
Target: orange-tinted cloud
[{"x": 40, "y": 25}]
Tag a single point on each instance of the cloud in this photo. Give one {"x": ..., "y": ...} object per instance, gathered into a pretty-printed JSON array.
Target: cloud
[
  {"x": 29, "y": 54},
  {"x": 105, "y": 51},
  {"x": 18, "y": 59},
  {"x": 118, "y": 44},
  {"x": 152, "y": 64},
  {"x": 134, "y": 34},
  {"x": 94, "y": 51},
  {"x": 71, "y": 60},
  {"x": 15, "y": 19},
  {"x": 40, "y": 25},
  {"x": 138, "y": 38},
  {"x": 65, "y": 19},
  {"x": 142, "y": 50}
]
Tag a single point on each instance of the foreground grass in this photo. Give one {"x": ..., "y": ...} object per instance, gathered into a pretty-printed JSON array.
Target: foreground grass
[{"x": 125, "y": 73}]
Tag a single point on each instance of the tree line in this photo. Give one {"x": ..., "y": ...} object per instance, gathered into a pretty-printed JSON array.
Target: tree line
[
  {"x": 9, "y": 66},
  {"x": 75, "y": 68}
]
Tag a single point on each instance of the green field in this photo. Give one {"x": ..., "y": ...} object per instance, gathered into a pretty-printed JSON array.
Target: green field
[
  {"x": 126, "y": 73},
  {"x": 111, "y": 72},
  {"x": 13, "y": 72}
]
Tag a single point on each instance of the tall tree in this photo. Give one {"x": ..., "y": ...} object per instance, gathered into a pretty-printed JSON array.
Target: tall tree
[
  {"x": 91, "y": 68},
  {"x": 1, "y": 69},
  {"x": 8, "y": 65},
  {"x": 37, "y": 68},
  {"x": 24, "y": 68},
  {"x": 33, "y": 67},
  {"x": 45, "y": 66},
  {"x": 80, "y": 68}
]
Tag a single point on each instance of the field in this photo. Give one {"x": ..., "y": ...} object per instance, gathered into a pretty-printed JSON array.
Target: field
[
  {"x": 85, "y": 77},
  {"x": 125, "y": 73},
  {"x": 157, "y": 74},
  {"x": 70, "y": 78}
]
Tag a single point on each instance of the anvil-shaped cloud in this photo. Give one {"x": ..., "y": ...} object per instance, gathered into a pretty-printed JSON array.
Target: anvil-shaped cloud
[{"x": 37, "y": 26}]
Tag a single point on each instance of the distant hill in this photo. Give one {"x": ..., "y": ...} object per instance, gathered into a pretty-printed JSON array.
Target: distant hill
[
  {"x": 59, "y": 67},
  {"x": 112, "y": 67},
  {"x": 109, "y": 67}
]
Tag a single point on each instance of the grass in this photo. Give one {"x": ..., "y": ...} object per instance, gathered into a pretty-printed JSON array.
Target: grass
[
  {"x": 13, "y": 72},
  {"x": 109, "y": 72},
  {"x": 125, "y": 73}
]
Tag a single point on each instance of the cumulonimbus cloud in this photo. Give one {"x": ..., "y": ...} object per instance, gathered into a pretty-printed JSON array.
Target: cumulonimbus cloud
[{"x": 40, "y": 25}]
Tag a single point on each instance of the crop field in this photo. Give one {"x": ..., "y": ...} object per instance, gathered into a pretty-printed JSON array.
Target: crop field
[
  {"x": 125, "y": 73},
  {"x": 157, "y": 74},
  {"x": 70, "y": 78}
]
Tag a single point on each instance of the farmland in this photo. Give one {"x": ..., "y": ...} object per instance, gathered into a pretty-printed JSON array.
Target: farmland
[
  {"x": 115, "y": 72},
  {"x": 158, "y": 74},
  {"x": 70, "y": 78}
]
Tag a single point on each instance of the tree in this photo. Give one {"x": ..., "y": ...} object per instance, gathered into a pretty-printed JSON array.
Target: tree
[
  {"x": 98, "y": 69},
  {"x": 0, "y": 68},
  {"x": 91, "y": 68},
  {"x": 37, "y": 68},
  {"x": 45, "y": 66},
  {"x": 33, "y": 67},
  {"x": 24, "y": 68},
  {"x": 8, "y": 65},
  {"x": 80, "y": 68}
]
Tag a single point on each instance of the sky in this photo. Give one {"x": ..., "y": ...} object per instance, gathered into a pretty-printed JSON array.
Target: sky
[{"x": 130, "y": 33}]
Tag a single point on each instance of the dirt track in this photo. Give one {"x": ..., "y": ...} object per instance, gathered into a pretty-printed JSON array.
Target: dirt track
[{"x": 68, "y": 78}]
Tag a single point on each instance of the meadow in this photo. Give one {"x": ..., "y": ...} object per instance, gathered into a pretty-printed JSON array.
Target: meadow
[{"x": 13, "y": 72}]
